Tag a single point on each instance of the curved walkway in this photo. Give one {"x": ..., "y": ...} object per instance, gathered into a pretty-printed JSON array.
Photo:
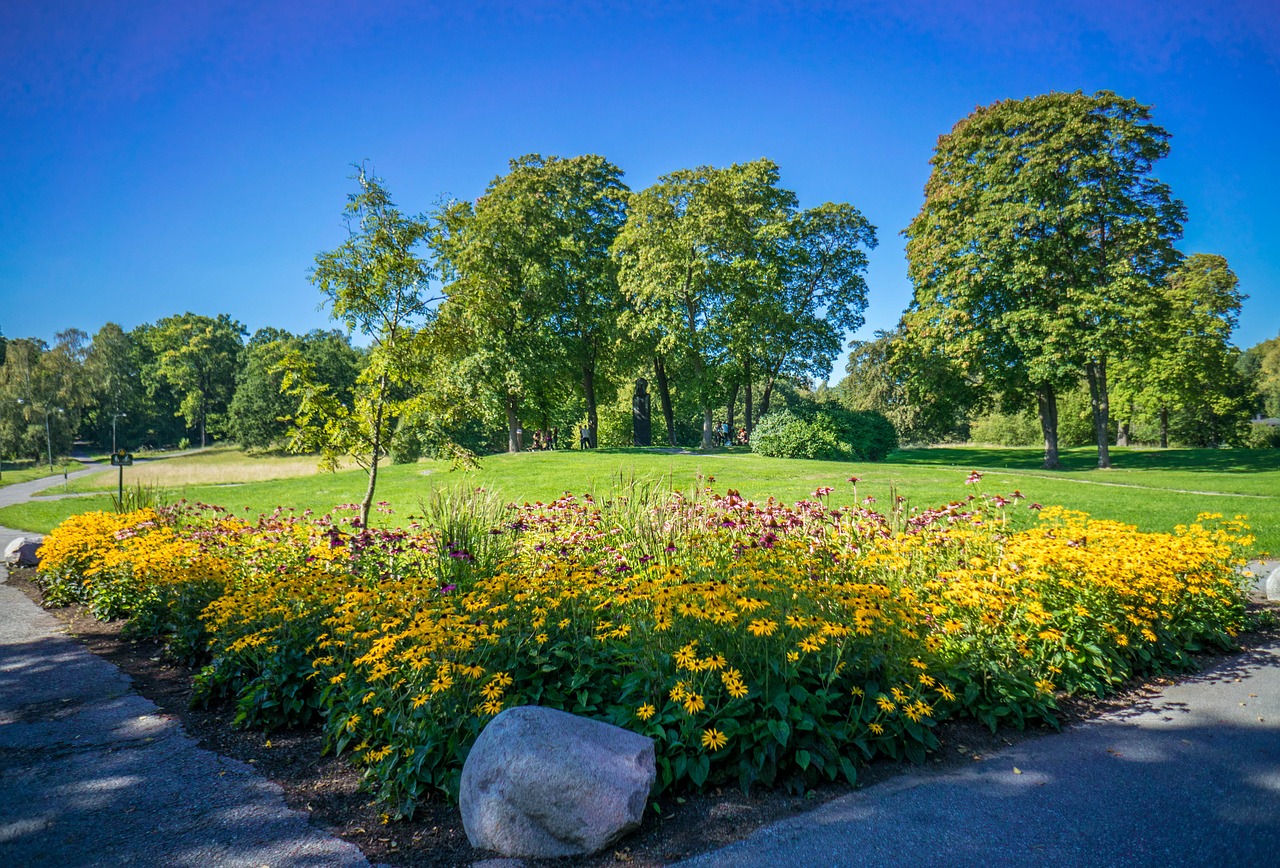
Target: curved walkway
[
  {"x": 93, "y": 774},
  {"x": 1190, "y": 776}
]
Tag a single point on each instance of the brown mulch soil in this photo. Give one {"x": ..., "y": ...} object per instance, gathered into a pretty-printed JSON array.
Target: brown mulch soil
[{"x": 328, "y": 788}]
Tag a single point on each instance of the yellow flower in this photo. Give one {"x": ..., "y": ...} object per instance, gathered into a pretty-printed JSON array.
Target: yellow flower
[
  {"x": 693, "y": 703},
  {"x": 713, "y": 739},
  {"x": 876, "y": 729},
  {"x": 762, "y": 627},
  {"x": 646, "y": 711}
]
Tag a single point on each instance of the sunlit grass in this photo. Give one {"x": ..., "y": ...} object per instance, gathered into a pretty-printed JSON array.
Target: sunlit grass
[{"x": 1154, "y": 490}]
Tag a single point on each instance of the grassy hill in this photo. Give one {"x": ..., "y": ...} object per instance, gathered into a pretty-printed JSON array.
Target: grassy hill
[{"x": 1153, "y": 489}]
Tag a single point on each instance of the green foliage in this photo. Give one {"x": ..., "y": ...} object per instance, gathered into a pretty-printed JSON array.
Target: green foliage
[
  {"x": 1005, "y": 429},
  {"x": 725, "y": 274},
  {"x": 531, "y": 292},
  {"x": 140, "y": 496},
  {"x": 197, "y": 358},
  {"x": 1193, "y": 376},
  {"x": 375, "y": 282},
  {"x": 922, "y": 393},
  {"x": 824, "y": 431},
  {"x": 261, "y": 412},
  {"x": 1042, "y": 247},
  {"x": 1263, "y": 436},
  {"x": 1260, "y": 365}
]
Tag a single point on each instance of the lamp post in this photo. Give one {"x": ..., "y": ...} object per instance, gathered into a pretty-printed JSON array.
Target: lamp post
[
  {"x": 48, "y": 436},
  {"x": 114, "y": 417}
]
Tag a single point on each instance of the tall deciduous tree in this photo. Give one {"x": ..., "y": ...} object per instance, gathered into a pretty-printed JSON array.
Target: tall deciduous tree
[
  {"x": 1192, "y": 370},
  {"x": 1042, "y": 247},
  {"x": 692, "y": 253},
  {"x": 376, "y": 283},
  {"x": 261, "y": 413},
  {"x": 495, "y": 256},
  {"x": 197, "y": 357},
  {"x": 924, "y": 396},
  {"x": 532, "y": 282},
  {"x": 1260, "y": 364},
  {"x": 797, "y": 326}
]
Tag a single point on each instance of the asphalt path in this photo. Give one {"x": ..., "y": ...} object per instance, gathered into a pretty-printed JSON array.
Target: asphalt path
[
  {"x": 1190, "y": 776},
  {"x": 93, "y": 774}
]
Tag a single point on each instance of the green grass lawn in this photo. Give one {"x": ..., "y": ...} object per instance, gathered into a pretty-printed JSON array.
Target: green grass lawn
[
  {"x": 15, "y": 472},
  {"x": 1153, "y": 489}
]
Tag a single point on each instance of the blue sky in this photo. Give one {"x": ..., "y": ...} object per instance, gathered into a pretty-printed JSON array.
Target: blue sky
[{"x": 165, "y": 157}]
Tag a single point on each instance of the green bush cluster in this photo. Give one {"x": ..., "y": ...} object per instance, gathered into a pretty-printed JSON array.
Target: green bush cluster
[{"x": 828, "y": 432}]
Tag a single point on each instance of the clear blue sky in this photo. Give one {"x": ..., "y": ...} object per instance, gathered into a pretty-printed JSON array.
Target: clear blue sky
[{"x": 163, "y": 157}]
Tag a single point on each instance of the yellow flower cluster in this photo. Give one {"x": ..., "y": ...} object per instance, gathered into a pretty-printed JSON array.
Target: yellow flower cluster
[{"x": 743, "y": 637}]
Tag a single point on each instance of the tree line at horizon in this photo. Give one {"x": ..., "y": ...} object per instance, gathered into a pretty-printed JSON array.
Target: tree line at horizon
[{"x": 1046, "y": 281}]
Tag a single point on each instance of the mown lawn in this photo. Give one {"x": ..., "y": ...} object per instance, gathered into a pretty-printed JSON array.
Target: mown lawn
[{"x": 1153, "y": 489}]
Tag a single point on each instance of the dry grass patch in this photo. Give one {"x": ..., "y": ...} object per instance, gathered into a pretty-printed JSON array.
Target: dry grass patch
[{"x": 219, "y": 465}]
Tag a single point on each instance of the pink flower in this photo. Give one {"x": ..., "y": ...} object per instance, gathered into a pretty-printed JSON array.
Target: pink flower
[{"x": 974, "y": 478}]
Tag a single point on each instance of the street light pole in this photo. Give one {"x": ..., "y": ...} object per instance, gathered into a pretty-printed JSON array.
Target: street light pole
[
  {"x": 114, "y": 417},
  {"x": 48, "y": 436}
]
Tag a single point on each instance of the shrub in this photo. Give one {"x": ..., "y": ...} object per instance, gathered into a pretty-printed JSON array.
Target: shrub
[
  {"x": 1263, "y": 436},
  {"x": 827, "y": 432},
  {"x": 1006, "y": 429}
]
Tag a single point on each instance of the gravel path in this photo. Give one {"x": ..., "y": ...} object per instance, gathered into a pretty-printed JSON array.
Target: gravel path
[{"x": 92, "y": 774}]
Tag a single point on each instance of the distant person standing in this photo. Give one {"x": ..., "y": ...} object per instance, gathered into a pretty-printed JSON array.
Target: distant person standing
[{"x": 584, "y": 438}]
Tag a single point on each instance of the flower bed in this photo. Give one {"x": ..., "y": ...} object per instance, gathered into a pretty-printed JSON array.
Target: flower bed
[{"x": 755, "y": 642}]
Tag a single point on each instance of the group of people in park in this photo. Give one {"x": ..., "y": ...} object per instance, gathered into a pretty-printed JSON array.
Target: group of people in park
[
  {"x": 726, "y": 437},
  {"x": 544, "y": 439},
  {"x": 549, "y": 438}
]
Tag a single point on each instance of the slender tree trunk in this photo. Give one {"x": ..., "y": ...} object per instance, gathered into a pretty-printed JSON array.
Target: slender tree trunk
[
  {"x": 1126, "y": 427},
  {"x": 664, "y": 397},
  {"x": 747, "y": 409},
  {"x": 764, "y": 398},
  {"x": 733, "y": 399},
  {"x": 1047, "y": 404},
  {"x": 708, "y": 424},
  {"x": 367, "y": 504},
  {"x": 1097, "y": 374},
  {"x": 513, "y": 425},
  {"x": 589, "y": 390},
  {"x": 1164, "y": 427}
]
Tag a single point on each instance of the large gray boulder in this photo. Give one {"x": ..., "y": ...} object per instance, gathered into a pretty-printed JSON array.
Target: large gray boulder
[
  {"x": 1273, "y": 585},
  {"x": 22, "y": 552},
  {"x": 540, "y": 782}
]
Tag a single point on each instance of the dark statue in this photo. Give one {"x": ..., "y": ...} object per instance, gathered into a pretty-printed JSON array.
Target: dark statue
[{"x": 641, "y": 431}]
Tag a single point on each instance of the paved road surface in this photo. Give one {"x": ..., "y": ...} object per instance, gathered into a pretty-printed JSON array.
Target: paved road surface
[
  {"x": 92, "y": 774},
  {"x": 1191, "y": 777}
]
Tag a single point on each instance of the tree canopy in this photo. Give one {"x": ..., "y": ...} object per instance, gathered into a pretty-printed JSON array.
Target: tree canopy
[{"x": 1042, "y": 247}]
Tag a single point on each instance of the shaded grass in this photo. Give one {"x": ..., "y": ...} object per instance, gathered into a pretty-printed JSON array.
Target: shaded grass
[{"x": 1154, "y": 490}]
